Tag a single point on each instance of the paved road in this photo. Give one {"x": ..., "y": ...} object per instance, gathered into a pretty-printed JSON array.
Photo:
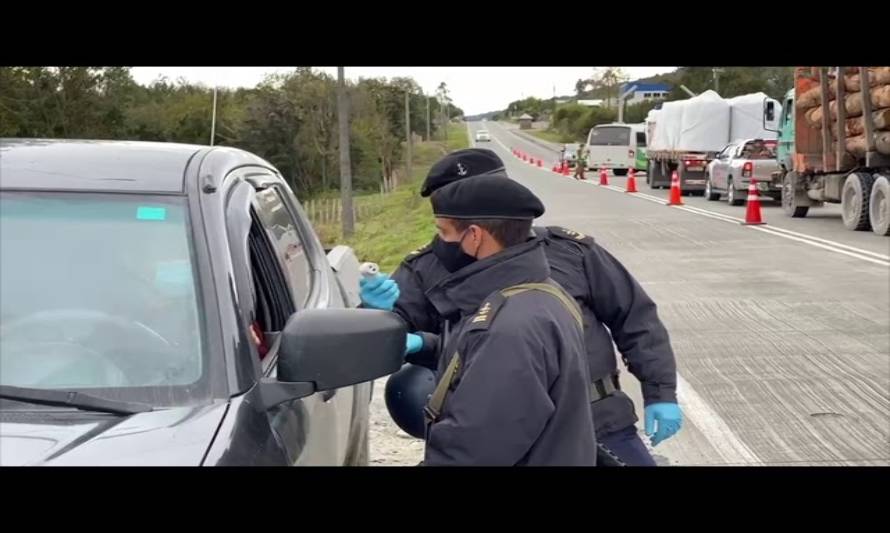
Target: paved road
[{"x": 782, "y": 332}]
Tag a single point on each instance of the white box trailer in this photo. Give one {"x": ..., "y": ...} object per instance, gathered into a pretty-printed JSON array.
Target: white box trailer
[{"x": 685, "y": 135}]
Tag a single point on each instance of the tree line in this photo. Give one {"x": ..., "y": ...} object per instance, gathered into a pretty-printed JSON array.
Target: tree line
[
  {"x": 572, "y": 121},
  {"x": 288, "y": 119}
]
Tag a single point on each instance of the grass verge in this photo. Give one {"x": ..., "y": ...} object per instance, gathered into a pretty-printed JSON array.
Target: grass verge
[
  {"x": 403, "y": 221},
  {"x": 552, "y": 136}
]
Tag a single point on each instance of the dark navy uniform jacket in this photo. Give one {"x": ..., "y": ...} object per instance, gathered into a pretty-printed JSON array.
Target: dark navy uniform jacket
[
  {"x": 614, "y": 306},
  {"x": 521, "y": 394}
]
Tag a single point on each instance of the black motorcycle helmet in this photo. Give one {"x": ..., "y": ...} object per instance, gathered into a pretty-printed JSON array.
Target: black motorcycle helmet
[{"x": 407, "y": 393}]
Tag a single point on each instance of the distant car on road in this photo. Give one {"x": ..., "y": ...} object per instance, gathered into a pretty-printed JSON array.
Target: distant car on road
[
  {"x": 734, "y": 166},
  {"x": 483, "y": 135},
  {"x": 571, "y": 156}
]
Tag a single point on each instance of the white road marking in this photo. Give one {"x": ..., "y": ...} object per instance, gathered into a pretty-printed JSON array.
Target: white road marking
[
  {"x": 713, "y": 427},
  {"x": 819, "y": 245},
  {"x": 831, "y": 243},
  {"x": 825, "y": 244}
]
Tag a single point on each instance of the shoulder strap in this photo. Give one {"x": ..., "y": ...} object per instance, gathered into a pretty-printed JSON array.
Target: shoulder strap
[
  {"x": 433, "y": 409},
  {"x": 567, "y": 301}
]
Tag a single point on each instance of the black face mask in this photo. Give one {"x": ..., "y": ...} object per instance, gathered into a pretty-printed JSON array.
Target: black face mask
[{"x": 450, "y": 254}]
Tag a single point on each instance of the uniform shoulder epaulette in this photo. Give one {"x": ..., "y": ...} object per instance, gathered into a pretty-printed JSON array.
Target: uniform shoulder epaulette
[
  {"x": 423, "y": 250},
  {"x": 565, "y": 233},
  {"x": 487, "y": 311}
]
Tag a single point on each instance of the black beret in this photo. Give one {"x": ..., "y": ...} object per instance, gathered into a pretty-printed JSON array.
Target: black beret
[
  {"x": 486, "y": 197},
  {"x": 461, "y": 164}
]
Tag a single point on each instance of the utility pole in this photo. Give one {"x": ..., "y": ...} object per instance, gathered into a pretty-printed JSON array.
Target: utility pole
[
  {"x": 621, "y": 100},
  {"x": 345, "y": 164},
  {"x": 213, "y": 119},
  {"x": 716, "y": 72},
  {"x": 408, "y": 143},
  {"x": 427, "y": 118},
  {"x": 445, "y": 125}
]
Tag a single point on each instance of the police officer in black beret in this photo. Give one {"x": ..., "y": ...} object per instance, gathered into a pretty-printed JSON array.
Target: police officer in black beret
[
  {"x": 608, "y": 295},
  {"x": 513, "y": 382}
]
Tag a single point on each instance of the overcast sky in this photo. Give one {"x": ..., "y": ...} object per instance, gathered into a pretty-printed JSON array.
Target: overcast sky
[{"x": 473, "y": 89}]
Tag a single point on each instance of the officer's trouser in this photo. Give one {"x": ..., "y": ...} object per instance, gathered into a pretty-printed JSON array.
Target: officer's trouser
[{"x": 628, "y": 446}]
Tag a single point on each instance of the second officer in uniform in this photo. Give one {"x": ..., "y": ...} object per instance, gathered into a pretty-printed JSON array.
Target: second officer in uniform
[{"x": 513, "y": 383}]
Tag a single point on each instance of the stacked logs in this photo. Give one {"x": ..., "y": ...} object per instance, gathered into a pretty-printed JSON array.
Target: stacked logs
[{"x": 854, "y": 125}]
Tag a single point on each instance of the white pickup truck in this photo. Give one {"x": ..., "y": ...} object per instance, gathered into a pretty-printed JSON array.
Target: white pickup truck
[{"x": 731, "y": 171}]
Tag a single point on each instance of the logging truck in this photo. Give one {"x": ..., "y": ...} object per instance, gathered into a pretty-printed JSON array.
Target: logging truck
[{"x": 834, "y": 144}]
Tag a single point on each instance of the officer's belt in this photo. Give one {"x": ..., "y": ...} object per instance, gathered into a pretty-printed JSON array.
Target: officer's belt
[{"x": 604, "y": 387}]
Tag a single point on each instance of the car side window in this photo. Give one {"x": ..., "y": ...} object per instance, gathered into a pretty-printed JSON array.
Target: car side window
[{"x": 282, "y": 231}]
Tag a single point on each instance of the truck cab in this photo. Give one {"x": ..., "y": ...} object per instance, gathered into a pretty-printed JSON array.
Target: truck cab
[{"x": 785, "y": 148}]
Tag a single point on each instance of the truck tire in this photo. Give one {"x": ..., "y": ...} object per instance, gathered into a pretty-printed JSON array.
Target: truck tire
[
  {"x": 789, "y": 200},
  {"x": 619, "y": 171},
  {"x": 709, "y": 192},
  {"x": 855, "y": 200},
  {"x": 732, "y": 195},
  {"x": 879, "y": 206},
  {"x": 654, "y": 174}
]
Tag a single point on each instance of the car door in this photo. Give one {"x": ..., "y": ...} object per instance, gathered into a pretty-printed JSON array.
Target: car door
[
  {"x": 734, "y": 166},
  {"x": 720, "y": 169},
  {"x": 324, "y": 292},
  {"x": 274, "y": 278}
]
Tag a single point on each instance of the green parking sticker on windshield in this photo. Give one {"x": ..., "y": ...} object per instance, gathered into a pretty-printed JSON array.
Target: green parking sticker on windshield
[{"x": 151, "y": 213}]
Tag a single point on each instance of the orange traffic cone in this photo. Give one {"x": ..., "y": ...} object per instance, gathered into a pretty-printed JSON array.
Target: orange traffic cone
[
  {"x": 752, "y": 214},
  {"x": 540, "y": 163},
  {"x": 565, "y": 169},
  {"x": 524, "y": 157},
  {"x": 675, "y": 197},
  {"x": 604, "y": 176},
  {"x": 631, "y": 185},
  {"x": 555, "y": 168}
]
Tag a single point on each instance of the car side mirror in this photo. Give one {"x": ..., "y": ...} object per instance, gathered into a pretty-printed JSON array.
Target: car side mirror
[
  {"x": 327, "y": 349},
  {"x": 769, "y": 115}
]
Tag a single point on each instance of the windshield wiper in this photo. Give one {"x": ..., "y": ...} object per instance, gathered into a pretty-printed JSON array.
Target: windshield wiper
[{"x": 66, "y": 398}]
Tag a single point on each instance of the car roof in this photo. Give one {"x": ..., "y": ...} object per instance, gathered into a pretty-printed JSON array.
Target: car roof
[{"x": 98, "y": 165}]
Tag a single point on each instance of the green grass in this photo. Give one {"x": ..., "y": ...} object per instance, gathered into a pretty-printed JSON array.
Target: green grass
[
  {"x": 552, "y": 136},
  {"x": 403, "y": 221}
]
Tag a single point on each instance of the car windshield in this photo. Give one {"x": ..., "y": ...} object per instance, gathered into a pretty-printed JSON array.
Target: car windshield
[
  {"x": 483, "y": 132},
  {"x": 610, "y": 136},
  {"x": 99, "y": 294}
]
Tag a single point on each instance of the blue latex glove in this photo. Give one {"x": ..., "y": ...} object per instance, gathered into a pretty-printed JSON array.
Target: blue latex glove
[
  {"x": 379, "y": 292},
  {"x": 413, "y": 343},
  {"x": 669, "y": 418}
]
